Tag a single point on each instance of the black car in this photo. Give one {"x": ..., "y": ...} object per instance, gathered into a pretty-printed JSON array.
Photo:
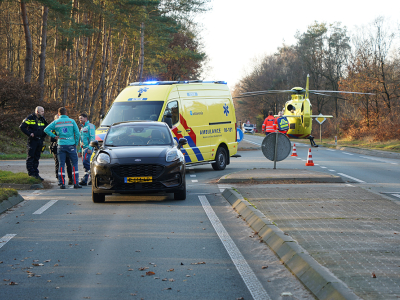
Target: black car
[{"x": 138, "y": 157}]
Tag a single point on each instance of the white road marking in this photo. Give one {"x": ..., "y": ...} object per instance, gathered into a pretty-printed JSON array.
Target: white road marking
[
  {"x": 355, "y": 179},
  {"x": 44, "y": 207},
  {"x": 330, "y": 150},
  {"x": 192, "y": 175},
  {"x": 223, "y": 187},
  {"x": 332, "y": 170},
  {"x": 323, "y": 167},
  {"x": 378, "y": 159},
  {"x": 348, "y": 153},
  {"x": 396, "y": 195},
  {"x": 348, "y": 184},
  {"x": 316, "y": 164},
  {"x": 5, "y": 239},
  {"x": 253, "y": 284},
  {"x": 253, "y": 142},
  {"x": 195, "y": 180}
]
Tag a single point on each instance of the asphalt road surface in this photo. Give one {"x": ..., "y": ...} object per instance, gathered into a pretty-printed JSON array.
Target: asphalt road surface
[{"x": 58, "y": 244}]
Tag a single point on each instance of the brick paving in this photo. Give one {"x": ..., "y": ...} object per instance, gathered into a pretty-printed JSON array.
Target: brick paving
[{"x": 351, "y": 231}]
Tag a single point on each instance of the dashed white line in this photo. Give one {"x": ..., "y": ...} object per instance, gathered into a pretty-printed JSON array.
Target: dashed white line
[
  {"x": 396, "y": 195},
  {"x": 6, "y": 239},
  {"x": 355, "y": 179},
  {"x": 323, "y": 167},
  {"x": 330, "y": 150},
  {"x": 253, "y": 142},
  {"x": 44, "y": 207},
  {"x": 195, "y": 180},
  {"x": 378, "y": 159},
  {"x": 347, "y": 153},
  {"x": 192, "y": 175},
  {"x": 332, "y": 170},
  {"x": 253, "y": 284}
]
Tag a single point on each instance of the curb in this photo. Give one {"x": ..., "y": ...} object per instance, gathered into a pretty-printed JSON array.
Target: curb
[
  {"x": 318, "y": 279},
  {"x": 324, "y": 179},
  {"x": 17, "y": 186},
  {"x": 10, "y": 202}
]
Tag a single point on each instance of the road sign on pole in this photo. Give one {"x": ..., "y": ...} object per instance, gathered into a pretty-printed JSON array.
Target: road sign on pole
[{"x": 240, "y": 135}]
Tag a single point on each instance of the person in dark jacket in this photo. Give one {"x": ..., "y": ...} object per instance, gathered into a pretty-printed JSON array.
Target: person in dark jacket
[
  {"x": 53, "y": 150},
  {"x": 33, "y": 126}
]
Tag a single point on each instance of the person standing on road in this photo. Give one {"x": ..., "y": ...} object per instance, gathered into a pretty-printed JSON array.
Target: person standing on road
[
  {"x": 53, "y": 150},
  {"x": 87, "y": 135},
  {"x": 33, "y": 126},
  {"x": 269, "y": 124},
  {"x": 282, "y": 123},
  {"x": 67, "y": 136}
]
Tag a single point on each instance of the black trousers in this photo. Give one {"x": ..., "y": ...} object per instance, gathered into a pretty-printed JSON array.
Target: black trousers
[
  {"x": 32, "y": 160},
  {"x": 57, "y": 165}
]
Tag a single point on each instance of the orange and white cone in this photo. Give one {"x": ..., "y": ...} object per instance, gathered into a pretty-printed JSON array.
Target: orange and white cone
[
  {"x": 309, "y": 162},
  {"x": 294, "y": 153}
]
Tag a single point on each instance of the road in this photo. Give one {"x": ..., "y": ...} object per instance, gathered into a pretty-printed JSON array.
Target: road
[{"x": 58, "y": 244}]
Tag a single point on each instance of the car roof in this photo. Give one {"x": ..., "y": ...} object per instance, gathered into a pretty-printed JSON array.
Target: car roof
[{"x": 140, "y": 123}]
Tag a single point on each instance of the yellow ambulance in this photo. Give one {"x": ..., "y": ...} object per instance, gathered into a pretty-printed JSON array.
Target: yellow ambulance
[{"x": 200, "y": 111}]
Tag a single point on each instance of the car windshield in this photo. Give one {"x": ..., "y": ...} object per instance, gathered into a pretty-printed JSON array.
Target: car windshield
[
  {"x": 138, "y": 135},
  {"x": 249, "y": 125},
  {"x": 133, "y": 111}
]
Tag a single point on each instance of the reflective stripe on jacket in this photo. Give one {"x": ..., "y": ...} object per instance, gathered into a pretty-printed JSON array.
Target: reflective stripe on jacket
[
  {"x": 268, "y": 124},
  {"x": 66, "y": 130},
  {"x": 87, "y": 135},
  {"x": 282, "y": 124},
  {"x": 35, "y": 125}
]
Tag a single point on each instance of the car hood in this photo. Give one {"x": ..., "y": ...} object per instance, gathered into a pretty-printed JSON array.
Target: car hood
[{"x": 137, "y": 152}]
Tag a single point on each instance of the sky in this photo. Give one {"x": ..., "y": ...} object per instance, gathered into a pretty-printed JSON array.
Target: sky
[{"x": 236, "y": 33}]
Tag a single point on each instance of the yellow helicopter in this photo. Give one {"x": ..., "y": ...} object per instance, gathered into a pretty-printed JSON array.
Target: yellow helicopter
[{"x": 298, "y": 110}]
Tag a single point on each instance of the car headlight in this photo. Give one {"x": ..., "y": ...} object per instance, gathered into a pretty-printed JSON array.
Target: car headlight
[
  {"x": 172, "y": 155},
  {"x": 103, "y": 158}
]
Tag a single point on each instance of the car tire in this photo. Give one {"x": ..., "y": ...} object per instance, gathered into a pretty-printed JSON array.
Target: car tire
[
  {"x": 98, "y": 198},
  {"x": 181, "y": 195},
  {"x": 220, "y": 159}
]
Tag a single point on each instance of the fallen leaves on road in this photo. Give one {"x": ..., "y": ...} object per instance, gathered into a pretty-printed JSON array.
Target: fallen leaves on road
[
  {"x": 150, "y": 273},
  {"x": 264, "y": 267},
  {"x": 143, "y": 268},
  {"x": 199, "y": 263},
  {"x": 373, "y": 275}
]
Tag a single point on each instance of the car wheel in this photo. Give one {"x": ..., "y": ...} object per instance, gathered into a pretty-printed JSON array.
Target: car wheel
[
  {"x": 181, "y": 195},
  {"x": 98, "y": 198},
  {"x": 220, "y": 159}
]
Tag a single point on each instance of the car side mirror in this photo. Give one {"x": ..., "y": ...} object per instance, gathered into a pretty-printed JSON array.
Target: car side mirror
[
  {"x": 182, "y": 142},
  {"x": 94, "y": 144}
]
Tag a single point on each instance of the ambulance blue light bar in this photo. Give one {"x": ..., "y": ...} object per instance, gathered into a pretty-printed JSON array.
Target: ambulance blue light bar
[{"x": 174, "y": 82}]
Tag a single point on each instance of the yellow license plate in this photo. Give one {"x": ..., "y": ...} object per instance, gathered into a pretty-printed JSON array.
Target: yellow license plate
[{"x": 138, "y": 179}]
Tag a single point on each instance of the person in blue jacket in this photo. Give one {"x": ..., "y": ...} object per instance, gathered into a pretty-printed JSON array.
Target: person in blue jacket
[
  {"x": 67, "y": 136},
  {"x": 87, "y": 135}
]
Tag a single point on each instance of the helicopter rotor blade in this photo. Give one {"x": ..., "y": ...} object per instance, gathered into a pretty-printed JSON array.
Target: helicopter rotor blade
[
  {"x": 344, "y": 92},
  {"x": 328, "y": 95}
]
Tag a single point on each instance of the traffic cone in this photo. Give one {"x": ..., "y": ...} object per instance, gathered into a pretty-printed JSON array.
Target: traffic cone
[
  {"x": 309, "y": 162},
  {"x": 294, "y": 153}
]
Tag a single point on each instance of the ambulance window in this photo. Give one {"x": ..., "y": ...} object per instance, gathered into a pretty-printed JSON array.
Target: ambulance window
[{"x": 172, "y": 107}]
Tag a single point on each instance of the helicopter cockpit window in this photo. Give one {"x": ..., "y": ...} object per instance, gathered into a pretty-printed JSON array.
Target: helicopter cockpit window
[
  {"x": 290, "y": 107},
  {"x": 172, "y": 108}
]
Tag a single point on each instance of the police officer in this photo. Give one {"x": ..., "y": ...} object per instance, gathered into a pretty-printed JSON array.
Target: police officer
[
  {"x": 33, "y": 127},
  {"x": 87, "y": 135},
  {"x": 269, "y": 124},
  {"x": 53, "y": 149},
  {"x": 67, "y": 136}
]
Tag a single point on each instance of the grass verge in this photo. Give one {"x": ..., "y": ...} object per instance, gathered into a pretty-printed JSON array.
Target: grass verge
[
  {"x": 18, "y": 178},
  {"x": 21, "y": 156},
  {"x": 7, "y": 193}
]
